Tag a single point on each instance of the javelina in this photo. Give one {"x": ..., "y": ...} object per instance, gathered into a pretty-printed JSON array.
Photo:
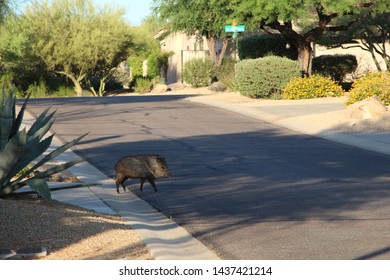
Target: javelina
[{"x": 148, "y": 167}]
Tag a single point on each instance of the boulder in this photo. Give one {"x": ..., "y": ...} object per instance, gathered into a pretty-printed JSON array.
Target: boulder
[
  {"x": 176, "y": 86},
  {"x": 217, "y": 86},
  {"x": 367, "y": 108},
  {"x": 160, "y": 88}
]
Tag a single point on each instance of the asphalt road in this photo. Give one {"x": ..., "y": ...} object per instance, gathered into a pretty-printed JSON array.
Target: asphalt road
[{"x": 244, "y": 187}]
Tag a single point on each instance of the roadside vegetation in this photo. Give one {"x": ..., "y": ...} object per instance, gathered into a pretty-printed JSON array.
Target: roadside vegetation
[
  {"x": 74, "y": 48},
  {"x": 286, "y": 29}
]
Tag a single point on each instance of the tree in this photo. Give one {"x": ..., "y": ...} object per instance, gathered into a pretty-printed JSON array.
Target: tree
[
  {"x": 17, "y": 59},
  {"x": 304, "y": 22},
  {"x": 74, "y": 38},
  {"x": 199, "y": 17},
  {"x": 5, "y": 7},
  {"x": 372, "y": 34},
  {"x": 144, "y": 45}
]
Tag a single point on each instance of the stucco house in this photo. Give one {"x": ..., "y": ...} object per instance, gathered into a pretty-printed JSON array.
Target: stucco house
[{"x": 186, "y": 47}]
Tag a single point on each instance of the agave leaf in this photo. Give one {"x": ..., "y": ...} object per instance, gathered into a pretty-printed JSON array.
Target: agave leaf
[
  {"x": 18, "y": 121},
  {"x": 7, "y": 189},
  {"x": 5, "y": 129},
  {"x": 11, "y": 153},
  {"x": 59, "y": 150},
  {"x": 9, "y": 106},
  {"x": 40, "y": 186},
  {"x": 6, "y": 120},
  {"x": 34, "y": 150},
  {"x": 57, "y": 169},
  {"x": 51, "y": 156},
  {"x": 40, "y": 133},
  {"x": 41, "y": 122}
]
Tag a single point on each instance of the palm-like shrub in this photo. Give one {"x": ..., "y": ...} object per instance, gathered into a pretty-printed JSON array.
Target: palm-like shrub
[{"x": 20, "y": 147}]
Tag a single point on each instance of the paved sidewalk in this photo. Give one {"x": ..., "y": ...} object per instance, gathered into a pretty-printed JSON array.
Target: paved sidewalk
[{"x": 163, "y": 237}]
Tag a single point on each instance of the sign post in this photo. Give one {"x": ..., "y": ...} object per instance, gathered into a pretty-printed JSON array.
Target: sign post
[{"x": 235, "y": 29}]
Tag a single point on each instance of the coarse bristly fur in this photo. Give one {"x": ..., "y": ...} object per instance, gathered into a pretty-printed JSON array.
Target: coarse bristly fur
[{"x": 144, "y": 167}]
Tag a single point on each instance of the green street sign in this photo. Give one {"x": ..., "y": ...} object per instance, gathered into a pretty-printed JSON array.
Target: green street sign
[{"x": 234, "y": 28}]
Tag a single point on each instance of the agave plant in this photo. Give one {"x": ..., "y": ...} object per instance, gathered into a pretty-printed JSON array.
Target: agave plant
[{"x": 20, "y": 147}]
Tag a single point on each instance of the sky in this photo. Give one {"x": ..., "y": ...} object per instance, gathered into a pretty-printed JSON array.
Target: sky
[{"x": 136, "y": 10}]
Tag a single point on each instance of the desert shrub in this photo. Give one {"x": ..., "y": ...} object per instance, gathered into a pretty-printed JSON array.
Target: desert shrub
[
  {"x": 264, "y": 77},
  {"x": 314, "y": 86},
  {"x": 198, "y": 72},
  {"x": 64, "y": 91},
  {"x": 142, "y": 84},
  {"x": 225, "y": 72},
  {"x": 335, "y": 67},
  {"x": 38, "y": 89},
  {"x": 8, "y": 86},
  {"x": 256, "y": 46},
  {"x": 372, "y": 84},
  {"x": 158, "y": 63}
]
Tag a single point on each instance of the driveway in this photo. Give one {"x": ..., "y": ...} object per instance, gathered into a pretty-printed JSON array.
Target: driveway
[{"x": 246, "y": 188}]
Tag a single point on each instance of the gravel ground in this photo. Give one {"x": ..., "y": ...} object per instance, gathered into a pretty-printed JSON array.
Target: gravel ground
[{"x": 67, "y": 232}]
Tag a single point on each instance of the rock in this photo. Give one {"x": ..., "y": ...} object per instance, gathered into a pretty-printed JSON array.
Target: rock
[
  {"x": 367, "y": 108},
  {"x": 217, "y": 86},
  {"x": 176, "y": 86},
  {"x": 160, "y": 88}
]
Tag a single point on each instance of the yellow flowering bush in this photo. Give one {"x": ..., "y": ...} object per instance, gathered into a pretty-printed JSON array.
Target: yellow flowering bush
[
  {"x": 372, "y": 84},
  {"x": 312, "y": 87}
]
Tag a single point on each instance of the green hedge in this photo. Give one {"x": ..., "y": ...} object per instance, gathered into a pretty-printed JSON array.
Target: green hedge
[
  {"x": 265, "y": 77},
  {"x": 256, "y": 46},
  {"x": 335, "y": 67}
]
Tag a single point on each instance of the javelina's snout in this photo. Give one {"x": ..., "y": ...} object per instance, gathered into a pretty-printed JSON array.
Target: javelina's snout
[{"x": 144, "y": 167}]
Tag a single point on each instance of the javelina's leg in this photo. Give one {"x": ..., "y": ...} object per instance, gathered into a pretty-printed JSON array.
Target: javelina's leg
[
  {"x": 117, "y": 186},
  {"x": 142, "y": 181},
  {"x": 119, "y": 181},
  {"x": 151, "y": 181}
]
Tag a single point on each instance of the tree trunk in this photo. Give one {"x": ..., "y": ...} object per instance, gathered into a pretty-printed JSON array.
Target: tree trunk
[
  {"x": 305, "y": 57},
  {"x": 102, "y": 86},
  {"x": 211, "y": 46},
  {"x": 76, "y": 81},
  {"x": 78, "y": 89},
  {"x": 225, "y": 44}
]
